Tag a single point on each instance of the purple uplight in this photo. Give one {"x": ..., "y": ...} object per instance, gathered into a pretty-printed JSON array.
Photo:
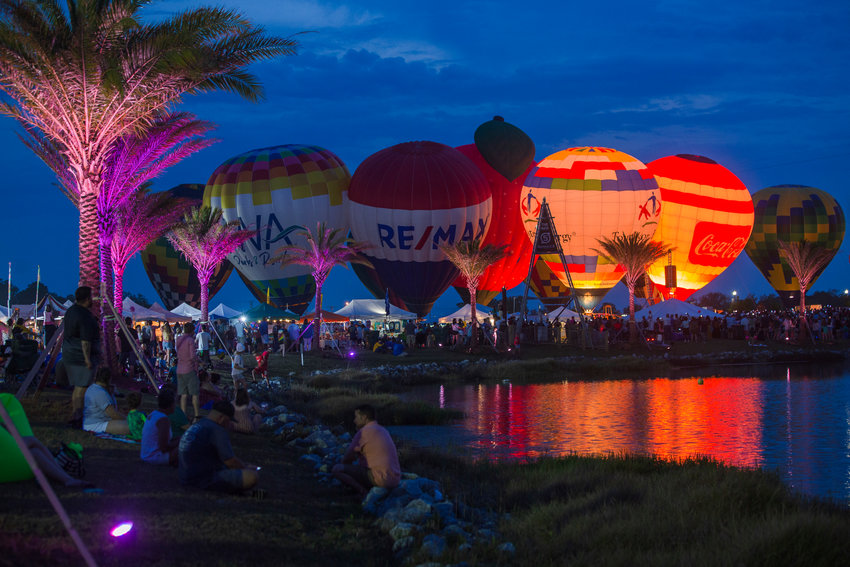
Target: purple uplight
[
  {"x": 351, "y": 354},
  {"x": 121, "y": 529}
]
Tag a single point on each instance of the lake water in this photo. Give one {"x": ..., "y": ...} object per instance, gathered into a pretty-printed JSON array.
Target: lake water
[{"x": 794, "y": 419}]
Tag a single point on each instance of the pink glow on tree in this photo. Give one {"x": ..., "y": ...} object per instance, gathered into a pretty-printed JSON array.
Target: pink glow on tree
[{"x": 205, "y": 240}]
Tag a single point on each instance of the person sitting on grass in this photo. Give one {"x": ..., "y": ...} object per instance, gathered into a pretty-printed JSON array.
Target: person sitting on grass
[
  {"x": 210, "y": 390},
  {"x": 159, "y": 446},
  {"x": 378, "y": 459},
  {"x": 248, "y": 415},
  {"x": 206, "y": 456},
  {"x": 100, "y": 412},
  {"x": 135, "y": 418}
]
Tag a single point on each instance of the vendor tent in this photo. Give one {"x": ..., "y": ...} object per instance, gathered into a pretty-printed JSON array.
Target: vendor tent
[
  {"x": 372, "y": 309},
  {"x": 465, "y": 314},
  {"x": 562, "y": 314},
  {"x": 222, "y": 311},
  {"x": 187, "y": 310},
  {"x": 169, "y": 316},
  {"x": 266, "y": 311},
  {"x": 327, "y": 317},
  {"x": 138, "y": 313},
  {"x": 673, "y": 307}
]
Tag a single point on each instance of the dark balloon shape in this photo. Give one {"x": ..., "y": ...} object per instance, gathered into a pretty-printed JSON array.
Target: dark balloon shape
[{"x": 505, "y": 147}]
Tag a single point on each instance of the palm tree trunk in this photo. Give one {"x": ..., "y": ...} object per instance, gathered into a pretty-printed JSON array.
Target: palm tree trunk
[
  {"x": 473, "y": 339},
  {"x": 205, "y": 297},
  {"x": 107, "y": 324},
  {"x": 89, "y": 238},
  {"x": 632, "y": 322},
  {"x": 805, "y": 332},
  {"x": 317, "y": 321},
  {"x": 118, "y": 293}
]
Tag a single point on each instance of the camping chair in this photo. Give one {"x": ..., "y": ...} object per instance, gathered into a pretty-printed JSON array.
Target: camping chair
[{"x": 261, "y": 372}]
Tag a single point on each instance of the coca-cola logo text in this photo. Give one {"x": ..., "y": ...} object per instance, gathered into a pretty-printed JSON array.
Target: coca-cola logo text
[{"x": 717, "y": 244}]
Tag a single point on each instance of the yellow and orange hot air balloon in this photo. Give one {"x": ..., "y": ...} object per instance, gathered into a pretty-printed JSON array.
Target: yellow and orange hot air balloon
[{"x": 707, "y": 219}]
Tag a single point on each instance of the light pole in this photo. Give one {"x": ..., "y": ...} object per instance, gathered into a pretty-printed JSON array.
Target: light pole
[{"x": 734, "y": 299}]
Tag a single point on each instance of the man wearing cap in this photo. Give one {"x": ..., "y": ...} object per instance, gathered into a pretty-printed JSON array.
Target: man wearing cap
[
  {"x": 206, "y": 455},
  {"x": 373, "y": 447}
]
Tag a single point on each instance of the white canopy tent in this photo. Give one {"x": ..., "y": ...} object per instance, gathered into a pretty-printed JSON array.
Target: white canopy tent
[
  {"x": 372, "y": 309},
  {"x": 169, "y": 316},
  {"x": 222, "y": 311},
  {"x": 674, "y": 307},
  {"x": 187, "y": 310},
  {"x": 562, "y": 314},
  {"x": 465, "y": 313},
  {"x": 130, "y": 308}
]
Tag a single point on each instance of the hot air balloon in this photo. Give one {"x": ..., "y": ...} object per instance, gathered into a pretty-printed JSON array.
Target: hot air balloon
[
  {"x": 173, "y": 278},
  {"x": 372, "y": 281},
  {"x": 506, "y": 229},
  {"x": 505, "y": 148},
  {"x": 406, "y": 201},
  {"x": 551, "y": 291},
  {"x": 791, "y": 213},
  {"x": 592, "y": 192},
  {"x": 277, "y": 192},
  {"x": 707, "y": 219}
]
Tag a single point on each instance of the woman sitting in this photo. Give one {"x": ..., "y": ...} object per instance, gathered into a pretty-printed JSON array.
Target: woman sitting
[
  {"x": 159, "y": 447},
  {"x": 100, "y": 414},
  {"x": 248, "y": 414}
]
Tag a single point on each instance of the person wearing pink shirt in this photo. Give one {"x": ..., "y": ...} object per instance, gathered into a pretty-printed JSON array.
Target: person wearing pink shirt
[{"x": 378, "y": 458}]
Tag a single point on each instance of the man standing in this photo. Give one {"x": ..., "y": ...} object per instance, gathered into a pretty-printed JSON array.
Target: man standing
[
  {"x": 187, "y": 371},
  {"x": 80, "y": 350},
  {"x": 206, "y": 456},
  {"x": 294, "y": 333},
  {"x": 203, "y": 339},
  {"x": 378, "y": 465}
]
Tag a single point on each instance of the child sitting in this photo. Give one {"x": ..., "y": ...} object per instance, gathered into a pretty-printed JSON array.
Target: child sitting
[
  {"x": 135, "y": 418},
  {"x": 211, "y": 392},
  {"x": 247, "y": 418}
]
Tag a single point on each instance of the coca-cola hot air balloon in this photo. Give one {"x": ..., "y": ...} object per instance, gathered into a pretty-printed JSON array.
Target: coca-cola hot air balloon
[
  {"x": 407, "y": 200},
  {"x": 707, "y": 219},
  {"x": 792, "y": 213},
  {"x": 277, "y": 192},
  {"x": 174, "y": 278},
  {"x": 592, "y": 192}
]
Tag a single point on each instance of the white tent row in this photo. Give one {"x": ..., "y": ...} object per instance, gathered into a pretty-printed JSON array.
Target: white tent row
[
  {"x": 138, "y": 313},
  {"x": 222, "y": 311},
  {"x": 186, "y": 310},
  {"x": 465, "y": 313},
  {"x": 673, "y": 307},
  {"x": 373, "y": 309}
]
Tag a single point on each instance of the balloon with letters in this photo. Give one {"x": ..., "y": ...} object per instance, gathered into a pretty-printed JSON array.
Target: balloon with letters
[
  {"x": 172, "y": 276},
  {"x": 592, "y": 192},
  {"x": 707, "y": 219},
  {"x": 278, "y": 192},
  {"x": 406, "y": 201},
  {"x": 792, "y": 213}
]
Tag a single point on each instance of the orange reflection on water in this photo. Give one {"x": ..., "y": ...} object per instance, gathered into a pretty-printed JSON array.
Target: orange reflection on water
[{"x": 670, "y": 418}]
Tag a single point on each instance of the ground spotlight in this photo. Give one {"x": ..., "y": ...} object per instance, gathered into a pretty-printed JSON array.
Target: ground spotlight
[
  {"x": 351, "y": 354},
  {"x": 121, "y": 529}
]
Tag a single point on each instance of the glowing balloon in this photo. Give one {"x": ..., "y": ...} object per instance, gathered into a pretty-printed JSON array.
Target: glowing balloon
[
  {"x": 506, "y": 229},
  {"x": 407, "y": 200},
  {"x": 278, "y": 192},
  {"x": 172, "y": 276},
  {"x": 551, "y": 291},
  {"x": 592, "y": 193},
  {"x": 791, "y": 213},
  {"x": 707, "y": 219}
]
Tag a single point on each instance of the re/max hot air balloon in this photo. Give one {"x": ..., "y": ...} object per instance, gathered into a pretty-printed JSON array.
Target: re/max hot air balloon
[
  {"x": 792, "y": 213},
  {"x": 592, "y": 192},
  {"x": 406, "y": 201},
  {"x": 173, "y": 278},
  {"x": 707, "y": 219},
  {"x": 278, "y": 192},
  {"x": 505, "y": 229}
]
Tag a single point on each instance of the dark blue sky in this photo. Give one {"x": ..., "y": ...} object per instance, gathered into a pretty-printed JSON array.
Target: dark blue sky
[{"x": 761, "y": 87}]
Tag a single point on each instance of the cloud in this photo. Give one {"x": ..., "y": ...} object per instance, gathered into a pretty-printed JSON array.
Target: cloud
[{"x": 684, "y": 104}]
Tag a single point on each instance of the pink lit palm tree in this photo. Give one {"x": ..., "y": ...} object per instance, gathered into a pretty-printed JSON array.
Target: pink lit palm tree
[
  {"x": 87, "y": 73},
  {"x": 472, "y": 260},
  {"x": 807, "y": 260},
  {"x": 325, "y": 248},
  {"x": 137, "y": 223},
  {"x": 205, "y": 240}
]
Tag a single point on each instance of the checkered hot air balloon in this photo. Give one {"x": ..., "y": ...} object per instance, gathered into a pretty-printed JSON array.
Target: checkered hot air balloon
[
  {"x": 707, "y": 219},
  {"x": 592, "y": 192},
  {"x": 792, "y": 213},
  {"x": 551, "y": 291},
  {"x": 407, "y": 200},
  {"x": 277, "y": 192},
  {"x": 174, "y": 278}
]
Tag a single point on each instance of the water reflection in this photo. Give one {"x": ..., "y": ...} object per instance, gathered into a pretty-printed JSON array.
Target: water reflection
[{"x": 795, "y": 420}]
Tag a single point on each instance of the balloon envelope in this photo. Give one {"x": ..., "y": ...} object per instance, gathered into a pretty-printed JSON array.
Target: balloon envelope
[
  {"x": 406, "y": 201},
  {"x": 172, "y": 276},
  {"x": 592, "y": 193},
  {"x": 792, "y": 213},
  {"x": 505, "y": 229},
  {"x": 707, "y": 219},
  {"x": 551, "y": 291},
  {"x": 278, "y": 192},
  {"x": 505, "y": 148}
]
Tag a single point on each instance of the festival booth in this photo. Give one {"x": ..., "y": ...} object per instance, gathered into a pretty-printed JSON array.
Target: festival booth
[
  {"x": 187, "y": 310},
  {"x": 169, "y": 316},
  {"x": 675, "y": 307},
  {"x": 222, "y": 311},
  {"x": 333, "y": 333},
  {"x": 562, "y": 314},
  {"x": 465, "y": 314},
  {"x": 266, "y": 311},
  {"x": 130, "y": 308},
  {"x": 374, "y": 311}
]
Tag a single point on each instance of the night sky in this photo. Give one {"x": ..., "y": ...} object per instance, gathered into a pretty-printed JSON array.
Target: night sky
[{"x": 760, "y": 87}]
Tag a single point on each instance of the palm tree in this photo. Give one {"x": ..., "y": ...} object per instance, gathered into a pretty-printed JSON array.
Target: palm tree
[
  {"x": 84, "y": 73},
  {"x": 807, "y": 260},
  {"x": 325, "y": 248},
  {"x": 634, "y": 251},
  {"x": 140, "y": 221},
  {"x": 472, "y": 260},
  {"x": 205, "y": 240}
]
